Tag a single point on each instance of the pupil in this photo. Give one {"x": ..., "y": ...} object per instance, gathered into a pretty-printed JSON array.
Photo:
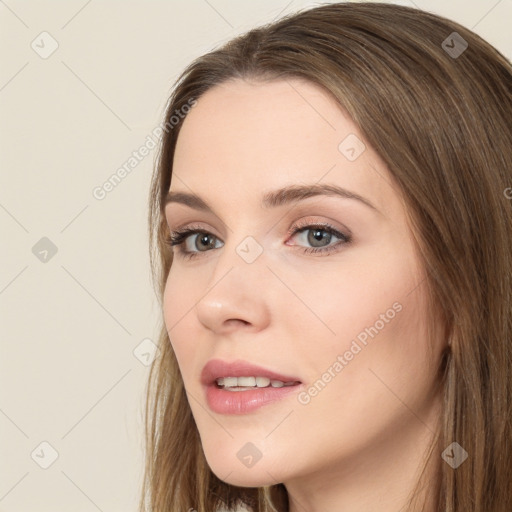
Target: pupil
[
  {"x": 204, "y": 241},
  {"x": 318, "y": 236}
]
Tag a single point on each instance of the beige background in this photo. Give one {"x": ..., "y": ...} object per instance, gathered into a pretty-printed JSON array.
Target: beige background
[{"x": 70, "y": 323}]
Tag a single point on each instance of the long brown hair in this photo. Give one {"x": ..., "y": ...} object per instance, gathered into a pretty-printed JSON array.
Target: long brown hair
[{"x": 437, "y": 108}]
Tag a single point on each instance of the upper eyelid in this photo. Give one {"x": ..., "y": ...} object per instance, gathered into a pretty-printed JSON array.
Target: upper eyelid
[
  {"x": 310, "y": 221},
  {"x": 185, "y": 225},
  {"x": 194, "y": 229}
]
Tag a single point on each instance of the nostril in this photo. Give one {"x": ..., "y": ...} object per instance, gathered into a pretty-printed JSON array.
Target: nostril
[{"x": 236, "y": 320}]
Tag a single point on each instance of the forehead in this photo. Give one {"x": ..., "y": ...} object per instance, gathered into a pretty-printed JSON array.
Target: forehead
[
  {"x": 250, "y": 137},
  {"x": 254, "y": 113}
]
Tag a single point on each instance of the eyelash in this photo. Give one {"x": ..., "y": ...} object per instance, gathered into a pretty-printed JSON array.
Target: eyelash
[{"x": 177, "y": 238}]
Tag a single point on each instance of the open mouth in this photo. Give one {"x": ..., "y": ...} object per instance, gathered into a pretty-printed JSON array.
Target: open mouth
[
  {"x": 240, "y": 387},
  {"x": 250, "y": 383}
]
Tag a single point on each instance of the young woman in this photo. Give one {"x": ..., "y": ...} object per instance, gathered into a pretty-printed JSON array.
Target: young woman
[{"x": 331, "y": 221}]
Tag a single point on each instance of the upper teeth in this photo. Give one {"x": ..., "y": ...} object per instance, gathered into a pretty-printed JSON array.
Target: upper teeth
[{"x": 260, "y": 382}]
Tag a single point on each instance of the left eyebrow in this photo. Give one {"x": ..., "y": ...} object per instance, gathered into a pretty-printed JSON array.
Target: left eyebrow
[{"x": 274, "y": 198}]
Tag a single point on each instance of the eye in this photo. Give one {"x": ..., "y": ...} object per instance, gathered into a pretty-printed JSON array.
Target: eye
[
  {"x": 201, "y": 240},
  {"x": 197, "y": 241},
  {"x": 319, "y": 237}
]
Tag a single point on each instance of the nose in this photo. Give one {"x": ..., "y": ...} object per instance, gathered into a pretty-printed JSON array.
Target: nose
[{"x": 237, "y": 295}]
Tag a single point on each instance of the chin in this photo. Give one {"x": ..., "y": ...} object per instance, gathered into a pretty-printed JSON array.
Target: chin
[
  {"x": 237, "y": 473},
  {"x": 247, "y": 477}
]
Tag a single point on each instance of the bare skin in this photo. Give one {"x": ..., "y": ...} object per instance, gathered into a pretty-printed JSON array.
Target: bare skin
[{"x": 357, "y": 443}]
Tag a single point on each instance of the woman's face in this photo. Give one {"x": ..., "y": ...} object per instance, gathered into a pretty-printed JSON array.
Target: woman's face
[{"x": 348, "y": 321}]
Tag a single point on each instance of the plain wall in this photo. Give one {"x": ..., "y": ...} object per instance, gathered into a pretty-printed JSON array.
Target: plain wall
[{"x": 72, "y": 319}]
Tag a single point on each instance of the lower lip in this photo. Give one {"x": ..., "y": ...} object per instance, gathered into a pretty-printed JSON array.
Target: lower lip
[{"x": 241, "y": 402}]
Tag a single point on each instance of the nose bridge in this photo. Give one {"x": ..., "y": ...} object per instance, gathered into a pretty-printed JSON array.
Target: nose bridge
[
  {"x": 242, "y": 257},
  {"x": 243, "y": 245},
  {"x": 236, "y": 289}
]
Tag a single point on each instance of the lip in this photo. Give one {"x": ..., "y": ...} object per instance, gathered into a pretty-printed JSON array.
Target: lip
[
  {"x": 222, "y": 401},
  {"x": 216, "y": 368}
]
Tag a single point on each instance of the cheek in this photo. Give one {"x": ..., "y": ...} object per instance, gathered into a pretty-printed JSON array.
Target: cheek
[
  {"x": 374, "y": 305},
  {"x": 381, "y": 351},
  {"x": 178, "y": 300},
  {"x": 357, "y": 295},
  {"x": 180, "y": 295}
]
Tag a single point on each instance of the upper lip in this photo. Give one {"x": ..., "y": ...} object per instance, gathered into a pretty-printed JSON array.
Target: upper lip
[{"x": 216, "y": 368}]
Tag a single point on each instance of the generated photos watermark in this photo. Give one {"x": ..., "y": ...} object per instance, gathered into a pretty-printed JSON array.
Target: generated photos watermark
[
  {"x": 357, "y": 345},
  {"x": 101, "y": 191}
]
